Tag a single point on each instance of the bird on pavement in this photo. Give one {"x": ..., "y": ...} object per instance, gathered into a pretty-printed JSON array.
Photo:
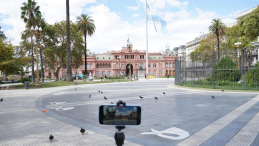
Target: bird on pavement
[
  {"x": 51, "y": 137},
  {"x": 222, "y": 90},
  {"x": 164, "y": 93},
  {"x": 75, "y": 88},
  {"x": 141, "y": 97},
  {"x": 212, "y": 96},
  {"x": 105, "y": 98},
  {"x": 1, "y": 99},
  {"x": 82, "y": 131},
  {"x": 90, "y": 96},
  {"x": 156, "y": 98},
  {"x": 111, "y": 102},
  {"x": 101, "y": 91}
]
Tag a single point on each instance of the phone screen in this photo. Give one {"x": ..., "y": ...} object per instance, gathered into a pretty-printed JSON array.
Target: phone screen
[{"x": 119, "y": 115}]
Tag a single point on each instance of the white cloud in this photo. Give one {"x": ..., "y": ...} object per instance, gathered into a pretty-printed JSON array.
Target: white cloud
[
  {"x": 52, "y": 10},
  {"x": 133, "y": 8},
  {"x": 135, "y": 15}
]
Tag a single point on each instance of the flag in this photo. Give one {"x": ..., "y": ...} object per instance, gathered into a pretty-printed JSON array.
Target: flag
[
  {"x": 128, "y": 40},
  {"x": 157, "y": 20}
]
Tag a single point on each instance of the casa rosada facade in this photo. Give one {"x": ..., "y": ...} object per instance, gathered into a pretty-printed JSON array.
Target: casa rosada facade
[{"x": 115, "y": 63}]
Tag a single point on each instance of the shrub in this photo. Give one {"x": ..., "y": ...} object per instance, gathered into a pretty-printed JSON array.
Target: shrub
[
  {"x": 252, "y": 76},
  {"x": 115, "y": 77},
  {"x": 226, "y": 70},
  {"x": 1, "y": 82},
  {"x": 25, "y": 79}
]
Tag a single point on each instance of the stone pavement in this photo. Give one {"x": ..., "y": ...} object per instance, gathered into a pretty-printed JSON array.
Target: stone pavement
[{"x": 229, "y": 119}]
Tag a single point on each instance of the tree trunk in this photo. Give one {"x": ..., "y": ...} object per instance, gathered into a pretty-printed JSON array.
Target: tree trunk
[
  {"x": 69, "y": 68},
  {"x": 85, "y": 54},
  {"x": 218, "y": 46},
  {"x": 32, "y": 60},
  {"x": 42, "y": 70}
]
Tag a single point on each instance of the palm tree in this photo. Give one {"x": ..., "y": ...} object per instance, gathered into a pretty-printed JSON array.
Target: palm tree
[
  {"x": 218, "y": 28},
  {"x": 86, "y": 25},
  {"x": 69, "y": 69},
  {"x": 29, "y": 12}
]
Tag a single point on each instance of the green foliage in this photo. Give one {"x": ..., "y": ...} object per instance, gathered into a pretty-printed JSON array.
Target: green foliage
[
  {"x": 25, "y": 79},
  {"x": 115, "y": 77},
  {"x": 30, "y": 10},
  {"x": 226, "y": 70},
  {"x": 2, "y": 35},
  {"x": 252, "y": 76}
]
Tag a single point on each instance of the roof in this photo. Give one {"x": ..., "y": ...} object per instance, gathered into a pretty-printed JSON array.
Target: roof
[{"x": 103, "y": 57}]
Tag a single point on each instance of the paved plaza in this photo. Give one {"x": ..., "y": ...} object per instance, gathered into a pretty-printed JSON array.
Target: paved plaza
[{"x": 183, "y": 117}]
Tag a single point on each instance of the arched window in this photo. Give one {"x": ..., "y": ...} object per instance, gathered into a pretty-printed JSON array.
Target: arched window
[
  {"x": 97, "y": 66},
  {"x": 142, "y": 64},
  {"x": 91, "y": 65},
  {"x": 169, "y": 64},
  {"x": 166, "y": 65},
  {"x": 109, "y": 65},
  {"x": 173, "y": 64},
  {"x": 103, "y": 66}
]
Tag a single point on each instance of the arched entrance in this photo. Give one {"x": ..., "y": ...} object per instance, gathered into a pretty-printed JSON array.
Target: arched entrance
[{"x": 127, "y": 69}]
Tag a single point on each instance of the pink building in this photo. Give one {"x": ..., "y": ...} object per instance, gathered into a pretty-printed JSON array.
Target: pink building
[{"x": 109, "y": 64}]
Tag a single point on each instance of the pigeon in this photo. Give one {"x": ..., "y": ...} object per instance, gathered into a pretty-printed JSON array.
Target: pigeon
[
  {"x": 90, "y": 96},
  {"x": 82, "y": 131},
  {"x": 105, "y": 98},
  {"x": 98, "y": 91},
  {"x": 222, "y": 90},
  {"x": 141, "y": 97},
  {"x": 111, "y": 102},
  {"x": 164, "y": 93},
  {"x": 1, "y": 99},
  {"x": 75, "y": 88},
  {"x": 156, "y": 98},
  {"x": 212, "y": 96},
  {"x": 101, "y": 91},
  {"x": 51, "y": 138}
]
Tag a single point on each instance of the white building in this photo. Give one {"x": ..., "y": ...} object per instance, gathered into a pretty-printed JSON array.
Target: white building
[{"x": 190, "y": 46}]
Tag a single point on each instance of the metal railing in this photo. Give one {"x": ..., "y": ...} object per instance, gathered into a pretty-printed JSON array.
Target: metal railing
[{"x": 233, "y": 70}]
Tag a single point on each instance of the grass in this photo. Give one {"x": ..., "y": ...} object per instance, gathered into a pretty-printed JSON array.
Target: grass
[
  {"x": 169, "y": 77},
  {"x": 63, "y": 83}
]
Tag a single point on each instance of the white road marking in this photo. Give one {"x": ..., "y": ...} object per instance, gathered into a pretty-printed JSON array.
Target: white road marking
[
  {"x": 182, "y": 134},
  {"x": 57, "y": 102},
  {"x": 64, "y": 108}
]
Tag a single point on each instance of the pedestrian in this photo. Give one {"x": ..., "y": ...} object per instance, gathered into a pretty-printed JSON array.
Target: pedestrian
[
  {"x": 137, "y": 77},
  {"x": 101, "y": 77},
  {"x": 145, "y": 76},
  {"x": 167, "y": 76},
  {"x": 105, "y": 78}
]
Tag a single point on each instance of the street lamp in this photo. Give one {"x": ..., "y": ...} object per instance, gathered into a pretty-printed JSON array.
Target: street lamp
[
  {"x": 129, "y": 45},
  {"x": 119, "y": 58},
  {"x": 37, "y": 33},
  {"x": 238, "y": 44}
]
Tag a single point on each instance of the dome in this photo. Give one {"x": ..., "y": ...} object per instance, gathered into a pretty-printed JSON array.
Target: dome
[{"x": 182, "y": 47}]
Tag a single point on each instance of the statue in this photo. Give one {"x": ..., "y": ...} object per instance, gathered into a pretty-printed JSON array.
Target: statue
[{"x": 90, "y": 78}]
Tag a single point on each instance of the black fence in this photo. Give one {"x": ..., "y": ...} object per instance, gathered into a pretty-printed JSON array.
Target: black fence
[{"x": 234, "y": 69}]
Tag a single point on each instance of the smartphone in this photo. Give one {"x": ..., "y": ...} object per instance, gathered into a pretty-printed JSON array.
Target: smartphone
[{"x": 112, "y": 114}]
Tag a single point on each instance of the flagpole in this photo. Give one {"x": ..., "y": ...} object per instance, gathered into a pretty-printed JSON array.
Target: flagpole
[{"x": 147, "y": 43}]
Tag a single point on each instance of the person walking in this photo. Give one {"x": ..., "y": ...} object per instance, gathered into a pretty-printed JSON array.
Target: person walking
[
  {"x": 105, "y": 78},
  {"x": 101, "y": 77},
  {"x": 145, "y": 76},
  {"x": 167, "y": 76}
]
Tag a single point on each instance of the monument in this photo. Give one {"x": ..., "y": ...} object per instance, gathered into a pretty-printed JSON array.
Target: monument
[{"x": 90, "y": 78}]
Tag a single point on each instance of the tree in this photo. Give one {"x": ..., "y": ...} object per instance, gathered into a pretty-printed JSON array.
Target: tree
[
  {"x": 2, "y": 35},
  {"x": 10, "y": 63},
  {"x": 54, "y": 47},
  {"x": 86, "y": 25},
  {"x": 29, "y": 12},
  {"x": 69, "y": 67},
  {"x": 217, "y": 27}
]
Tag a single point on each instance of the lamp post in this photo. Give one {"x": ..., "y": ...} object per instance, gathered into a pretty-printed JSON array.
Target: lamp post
[
  {"x": 238, "y": 44},
  {"x": 129, "y": 45},
  {"x": 115, "y": 68},
  {"x": 37, "y": 33},
  {"x": 119, "y": 58}
]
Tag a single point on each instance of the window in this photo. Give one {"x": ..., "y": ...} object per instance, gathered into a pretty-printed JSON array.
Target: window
[
  {"x": 109, "y": 57},
  {"x": 141, "y": 56},
  {"x": 97, "y": 73},
  {"x": 149, "y": 65},
  {"x": 109, "y": 65},
  {"x": 166, "y": 65},
  {"x": 142, "y": 64},
  {"x": 154, "y": 73},
  {"x": 97, "y": 57},
  {"x": 103, "y": 73},
  {"x": 117, "y": 73},
  {"x": 154, "y": 65},
  {"x": 136, "y": 65},
  {"x": 103, "y": 57},
  {"x": 91, "y": 65},
  {"x": 173, "y": 64},
  {"x": 109, "y": 73},
  {"x": 97, "y": 66},
  {"x": 83, "y": 66},
  {"x": 122, "y": 66},
  {"x": 103, "y": 66},
  {"x": 116, "y": 56},
  {"x": 126, "y": 56},
  {"x": 116, "y": 65},
  {"x": 169, "y": 64}
]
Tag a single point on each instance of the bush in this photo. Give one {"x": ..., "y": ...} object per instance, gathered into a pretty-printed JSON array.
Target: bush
[
  {"x": 1, "y": 82},
  {"x": 252, "y": 76},
  {"x": 115, "y": 77},
  {"x": 226, "y": 70},
  {"x": 25, "y": 79}
]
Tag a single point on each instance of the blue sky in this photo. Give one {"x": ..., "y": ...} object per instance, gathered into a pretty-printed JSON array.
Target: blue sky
[{"x": 116, "y": 20}]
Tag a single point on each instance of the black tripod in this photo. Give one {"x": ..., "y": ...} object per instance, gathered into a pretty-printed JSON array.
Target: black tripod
[{"x": 119, "y": 136}]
